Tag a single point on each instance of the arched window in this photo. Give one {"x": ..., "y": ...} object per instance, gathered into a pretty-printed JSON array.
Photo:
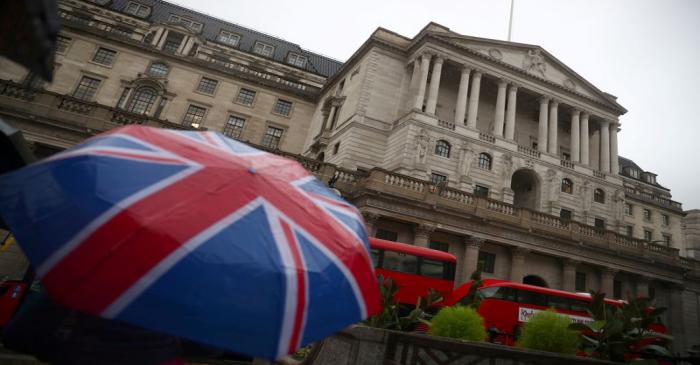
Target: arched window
[
  {"x": 567, "y": 186},
  {"x": 143, "y": 100},
  {"x": 599, "y": 196},
  {"x": 442, "y": 148},
  {"x": 158, "y": 69},
  {"x": 485, "y": 161}
]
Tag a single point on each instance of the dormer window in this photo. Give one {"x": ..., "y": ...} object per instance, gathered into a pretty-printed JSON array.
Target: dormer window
[
  {"x": 296, "y": 59},
  {"x": 189, "y": 23},
  {"x": 264, "y": 49},
  {"x": 229, "y": 38},
  {"x": 137, "y": 9},
  {"x": 650, "y": 178},
  {"x": 634, "y": 173}
]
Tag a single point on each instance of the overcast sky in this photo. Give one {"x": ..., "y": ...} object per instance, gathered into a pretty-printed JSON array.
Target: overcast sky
[{"x": 645, "y": 52}]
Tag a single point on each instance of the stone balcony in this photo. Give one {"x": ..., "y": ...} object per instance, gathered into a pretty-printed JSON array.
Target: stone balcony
[{"x": 653, "y": 199}]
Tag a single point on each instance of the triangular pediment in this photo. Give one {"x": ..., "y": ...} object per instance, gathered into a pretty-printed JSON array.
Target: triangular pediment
[{"x": 532, "y": 60}]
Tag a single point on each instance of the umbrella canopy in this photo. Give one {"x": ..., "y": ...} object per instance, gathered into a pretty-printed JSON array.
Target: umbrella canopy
[{"x": 195, "y": 235}]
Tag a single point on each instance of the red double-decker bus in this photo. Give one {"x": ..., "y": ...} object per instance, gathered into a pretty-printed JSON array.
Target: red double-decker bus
[
  {"x": 414, "y": 269},
  {"x": 506, "y": 305}
]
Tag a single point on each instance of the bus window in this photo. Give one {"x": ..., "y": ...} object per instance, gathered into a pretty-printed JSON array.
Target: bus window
[
  {"x": 498, "y": 292},
  {"x": 529, "y": 297},
  {"x": 579, "y": 305},
  {"x": 375, "y": 256},
  {"x": 557, "y": 302},
  {"x": 432, "y": 268},
  {"x": 401, "y": 262}
]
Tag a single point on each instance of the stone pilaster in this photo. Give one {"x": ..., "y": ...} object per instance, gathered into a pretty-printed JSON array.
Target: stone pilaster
[
  {"x": 614, "y": 163},
  {"x": 642, "y": 289},
  {"x": 472, "y": 245},
  {"x": 605, "y": 146},
  {"x": 434, "y": 85},
  {"x": 552, "y": 143},
  {"x": 328, "y": 123},
  {"x": 575, "y": 137},
  {"x": 568, "y": 270},
  {"x": 461, "y": 108},
  {"x": 421, "y": 236},
  {"x": 517, "y": 264},
  {"x": 474, "y": 100},
  {"x": 542, "y": 126},
  {"x": 422, "y": 81},
  {"x": 510, "y": 112},
  {"x": 371, "y": 220},
  {"x": 585, "y": 154},
  {"x": 607, "y": 281},
  {"x": 415, "y": 76},
  {"x": 499, "y": 113}
]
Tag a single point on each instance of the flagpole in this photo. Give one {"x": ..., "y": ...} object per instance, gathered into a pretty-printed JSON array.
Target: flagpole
[{"x": 510, "y": 20}]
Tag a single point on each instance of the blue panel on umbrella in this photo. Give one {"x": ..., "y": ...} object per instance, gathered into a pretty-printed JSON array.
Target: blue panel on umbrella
[
  {"x": 112, "y": 141},
  {"x": 332, "y": 303},
  {"x": 63, "y": 196},
  {"x": 228, "y": 293},
  {"x": 353, "y": 223},
  {"x": 316, "y": 186}
]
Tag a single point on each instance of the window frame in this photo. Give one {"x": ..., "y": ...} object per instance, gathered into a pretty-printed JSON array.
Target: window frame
[
  {"x": 629, "y": 210},
  {"x": 646, "y": 214},
  {"x": 601, "y": 227},
  {"x": 485, "y": 161},
  {"x": 665, "y": 220},
  {"x": 190, "y": 123},
  {"x": 97, "y": 53},
  {"x": 184, "y": 20},
  {"x": 569, "y": 214},
  {"x": 93, "y": 96},
  {"x": 481, "y": 191},
  {"x": 488, "y": 260},
  {"x": 130, "y": 102},
  {"x": 67, "y": 43},
  {"x": 237, "y": 100},
  {"x": 228, "y": 127},
  {"x": 138, "y": 7},
  {"x": 298, "y": 56},
  {"x": 443, "y": 148},
  {"x": 648, "y": 235},
  {"x": 386, "y": 234},
  {"x": 567, "y": 186},
  {"x": 279, "y": 138},
  {"x": 150, "y": 67},
  {"x": 629, "y": 230},
  {"x": 599, "y": 195},
  {"x": 437, "y": 179},
  {"x": 667, "y": 238},
  {"x": 264, "y": 45},
  {"x": 229, "y": 34},
  {"x": 198, "y": 88},
  {"x": 580, "y": 279},
  {"x": 277, "y": 112}
]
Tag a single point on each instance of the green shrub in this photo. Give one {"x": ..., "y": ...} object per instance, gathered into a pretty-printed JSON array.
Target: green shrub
[
  {"x": 549, "y": 331},
  {"x": 458, "y": 322}
]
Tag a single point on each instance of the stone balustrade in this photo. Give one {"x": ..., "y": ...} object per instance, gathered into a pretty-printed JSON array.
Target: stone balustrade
[
  {"x": 566, "y": 163},
  {"x": 652, "y": 198},
  {"x": 529, "y": 151},
  {"x": 75, "y": 105},
  {"x": 446, "y": 124},
  {"x": 487, "y": 137},
  {"x": 599, "y": 174}
]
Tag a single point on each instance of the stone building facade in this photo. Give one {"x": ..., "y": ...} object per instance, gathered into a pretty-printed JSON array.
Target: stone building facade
[{"x": 494, "y": 151}]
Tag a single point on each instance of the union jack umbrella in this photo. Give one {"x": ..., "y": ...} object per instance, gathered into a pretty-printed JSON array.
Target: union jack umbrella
[{"x": 195, "y": 235}]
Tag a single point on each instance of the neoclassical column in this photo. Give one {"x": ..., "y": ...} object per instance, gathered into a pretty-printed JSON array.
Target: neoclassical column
[
  {"x": 434, "y": 85},
  {"x": 329, "y": 120},
  {"x": 614, "y": 163},
  {"x": 568, "y": 269},
  {"x": 421, "y": 236},
  {"x": 677, "y": 319},
  {"x": 604, "y": 146},
  {"x": 510, "y": 112},
  {"x": 552, "y": 144},
  {"x": 415, "y": 75},
  {"x": 371, "y": 220},
  {"x": 517, "y": 264},
  {"x": 461, "y": 109},
  {"x": 542, "y": 126},
  {"x": 642, "y": 289},
  {"x": 422, "y": 81},
  {"x": 585, "y": 155},
  {"x": 500, "y": 111},
  {"x": 607, "y": 281},
  {"x": 474, "y": 100},
  {"x": 575, "y": 137},
  {"x": 472, "y": 245}
]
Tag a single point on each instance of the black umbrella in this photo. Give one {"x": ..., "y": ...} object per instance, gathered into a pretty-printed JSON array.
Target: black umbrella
[
  {"x": 14, "y": 152},
  {"x": 28, "y": 33}
]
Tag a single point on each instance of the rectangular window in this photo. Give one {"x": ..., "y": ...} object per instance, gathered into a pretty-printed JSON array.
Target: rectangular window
[
  {"x": 207, "y": 85},
  {"x": 62, "y": 44},
  {"x": 565, "y": 214},
  {"x": 617, "y": 289},
  {"x": 647, "y": 235},
  {"x": 599, "y": 224},
  {"x": 104, "y": 56},
  {"x": 336, "y": 147},
  {"x": 296, "y": 59},
  {"x": 488, "y": 262},
  {"x": 34, "y": 81},
  {"x": 581, "y": 281},
  {"x": 401, "y": 262},
  {"x": 194, "y": 116},
  {"x": 566, "y": 156},
  {"x": 440, "y": 246},
  {"x": 87, "y": 88},
  {"x": 667, "y": 239},
  {"x": 246, "y": 97},
  {"x": 172, "y": 42},
  {"x": 628, "y": 209},
  {"x": 229, "y": 38},
  {"x": 384, "y": 234},
  {"x": 272, "y": 137},
  {"x": 665, "y": 219},
  {"x": 481, "y": 191},
  {"x": 186, "y": 22},
  {"x": 264, "y": 49},
  {"x": 283, "y": 107},
  {"x": 647, "y": 215},
  {"x": 138, "y": 10},
  {"x": 437, "y": 179},
  {"x": 234, "y": 127},
  {"x": 630, "y": 231}
]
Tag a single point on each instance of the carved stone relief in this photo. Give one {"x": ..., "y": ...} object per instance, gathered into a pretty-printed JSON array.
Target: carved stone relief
[
  {"x": 534, "y": 62},
  {"x": 422, "y": 141}
]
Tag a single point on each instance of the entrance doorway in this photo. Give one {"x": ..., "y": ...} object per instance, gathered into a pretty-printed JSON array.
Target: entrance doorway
[{"x": 526, "y": 189}]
